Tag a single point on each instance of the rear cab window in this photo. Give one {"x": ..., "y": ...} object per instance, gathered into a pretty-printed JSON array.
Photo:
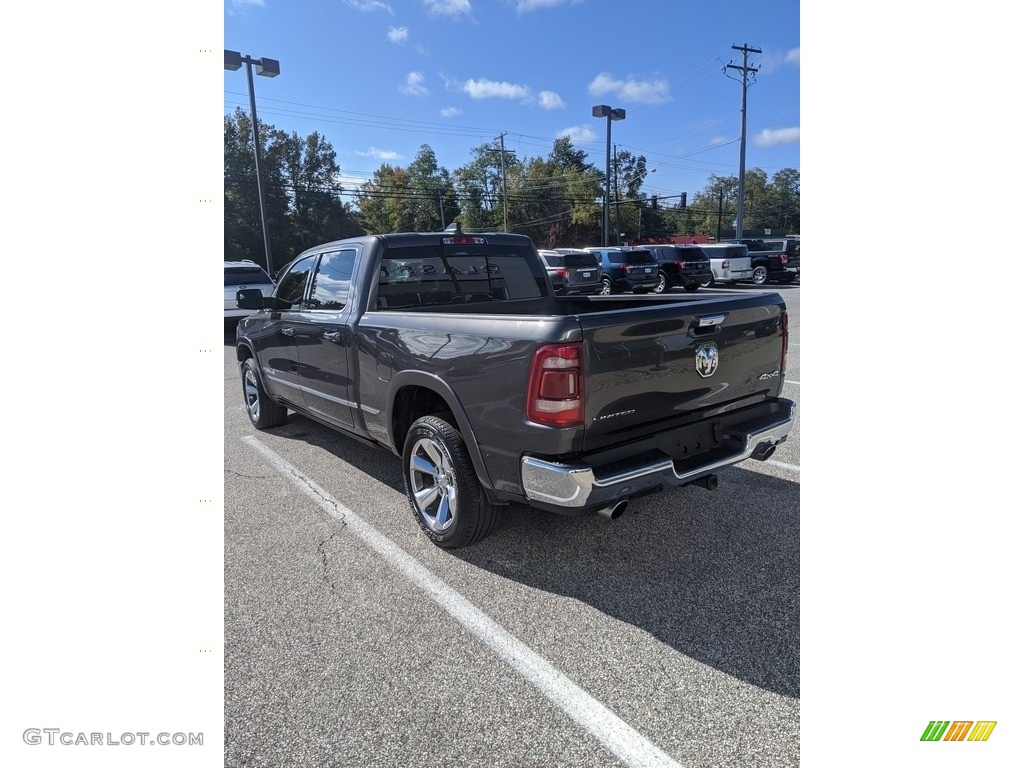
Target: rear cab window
[{"x": 457, "y": 273}]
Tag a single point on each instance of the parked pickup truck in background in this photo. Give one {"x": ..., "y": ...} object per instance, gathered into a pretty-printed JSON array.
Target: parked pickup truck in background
[
  {"x": 775, "y": 260},
  {"x": 449, "y": 350}
]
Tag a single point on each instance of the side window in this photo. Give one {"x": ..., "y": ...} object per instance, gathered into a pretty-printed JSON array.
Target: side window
[
  {"x": 332, "y": 280},
  {"x": 292, "y": 286}
]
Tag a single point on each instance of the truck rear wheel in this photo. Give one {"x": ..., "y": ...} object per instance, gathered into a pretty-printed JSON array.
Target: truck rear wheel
[
  {"x": 760, "y": 275},
  {"x": 441, "y": 485}
]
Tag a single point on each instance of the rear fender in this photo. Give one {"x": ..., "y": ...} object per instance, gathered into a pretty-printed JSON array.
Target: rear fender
[{"x": 440, "y": 388}]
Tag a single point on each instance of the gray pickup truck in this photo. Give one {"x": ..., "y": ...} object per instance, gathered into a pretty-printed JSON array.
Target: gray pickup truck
[{"x": 452, "y": 351}]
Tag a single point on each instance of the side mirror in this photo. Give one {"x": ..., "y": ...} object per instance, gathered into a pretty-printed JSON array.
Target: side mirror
[{"x": 253, "y": 298}]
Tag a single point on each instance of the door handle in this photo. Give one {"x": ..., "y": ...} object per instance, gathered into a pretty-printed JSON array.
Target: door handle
[
  {"x": 288, "y": 331},
  {"x": 333, "y": 336}
]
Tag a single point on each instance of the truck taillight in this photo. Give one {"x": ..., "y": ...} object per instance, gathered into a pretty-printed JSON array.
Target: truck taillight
[
  {"x": 554, "y": 395},
  {"x": 725, "y": 264},
  {"x": 783, "y": 257},
  {"x": 784, "y": 334}
]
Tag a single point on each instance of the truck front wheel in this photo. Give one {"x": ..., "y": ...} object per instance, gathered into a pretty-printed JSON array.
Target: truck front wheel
[
  {"x": 263, "y": 412},
  {"x": 441, "y": 485}
]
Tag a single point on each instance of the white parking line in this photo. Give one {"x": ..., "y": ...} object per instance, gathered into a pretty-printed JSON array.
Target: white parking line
[
  {"x": 787, "y": 381},
  {"x": 616, "y": 735},
  {"x": 783, "y": 465}
]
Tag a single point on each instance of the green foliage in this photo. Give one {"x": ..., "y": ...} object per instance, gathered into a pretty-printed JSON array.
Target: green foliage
[
  {"x": 770, "y": 204},
  {"x": 301, "y": 190},
  {"x": 556, "y": 200}
]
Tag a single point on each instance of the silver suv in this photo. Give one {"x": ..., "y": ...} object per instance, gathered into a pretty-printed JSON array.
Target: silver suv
[{"x": 238, "y": 275}]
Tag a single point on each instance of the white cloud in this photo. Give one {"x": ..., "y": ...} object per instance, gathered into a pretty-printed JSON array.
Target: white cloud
[
  {"x": 244, "y": 3},
  {"x": 578, "y": 133},
  {"x": 525, "y": 6},
  {"x": 398, "y": 35},
  {"x": 772, "y": 61},
  {"x": 719, "y": 140},
  {"x": 451, "y": 112},
  {"x": 380, "y": 154},
  {"x": 489, "y": 89},
  {"x": 369, "y": 6},
  {"x": 631, "y": 91},
  {"x": 550, "y": 100},
  {"x": 414, "y": 85},
  {"x": 769, "y": 138},
  {"x": 449, "y": 7}
]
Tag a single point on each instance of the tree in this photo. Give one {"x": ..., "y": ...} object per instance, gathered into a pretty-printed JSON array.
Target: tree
[
  {"x": 301, "y": 189},
  {"x": 243, "y": 231},
  {"x": 478, "y": 185},
  {"x": 384, "y": 201},
  {"x": 317, "y": 213}
]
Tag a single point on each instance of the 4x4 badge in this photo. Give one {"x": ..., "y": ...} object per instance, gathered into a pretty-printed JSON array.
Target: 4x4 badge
[{"x": 707, "y": 359}]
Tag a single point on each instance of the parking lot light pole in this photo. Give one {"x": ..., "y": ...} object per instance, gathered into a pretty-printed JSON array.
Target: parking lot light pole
[
  {"x": 233, "y": 60},
  {"x": 603, "y": 110}
]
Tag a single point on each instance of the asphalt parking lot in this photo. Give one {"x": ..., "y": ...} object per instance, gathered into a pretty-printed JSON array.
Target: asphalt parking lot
[{"x": 669, "y": 636}]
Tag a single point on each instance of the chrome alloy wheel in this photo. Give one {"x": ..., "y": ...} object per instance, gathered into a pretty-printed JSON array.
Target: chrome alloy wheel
[
  {"x": 252, "y": 395},
  {"x": 432, "y": 480}
]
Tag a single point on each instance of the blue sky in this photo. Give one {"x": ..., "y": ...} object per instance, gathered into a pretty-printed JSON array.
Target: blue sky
[{"x": 379, "y": 79}]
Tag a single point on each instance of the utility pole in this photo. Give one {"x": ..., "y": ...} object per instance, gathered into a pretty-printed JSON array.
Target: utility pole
[
  {"x": 721, "y": 195},
  {"x": 504, "y": 190},
  {"x": 743, "y": 131},
  {"x": 615, "y": 161}
]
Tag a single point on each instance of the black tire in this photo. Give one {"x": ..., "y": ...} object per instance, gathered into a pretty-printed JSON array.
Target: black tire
[
  {"x": 787, "y": 278},
  {"x": 263, "y": 412},
  {"x": 760, "y": 275},
  {"x": 606, "y": 287},
  {"x": 708, "y": 283},
  {"x": 443, "y": 491},
  {"x": 662, "y": 285},
  {"x": 691, "y": 287}
]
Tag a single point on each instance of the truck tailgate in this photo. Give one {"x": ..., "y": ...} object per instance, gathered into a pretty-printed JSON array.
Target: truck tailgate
[{"x": 653, "y": 368}]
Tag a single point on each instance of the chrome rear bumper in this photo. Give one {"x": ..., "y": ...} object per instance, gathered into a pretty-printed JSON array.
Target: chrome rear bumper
[{"x": 579, "y": 485}]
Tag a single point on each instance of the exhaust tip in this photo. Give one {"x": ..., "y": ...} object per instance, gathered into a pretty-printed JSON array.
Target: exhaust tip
[
  {"x": 710, "y": 482},
  {"x": 764, "y": 451},
  {"x": 613, "y": 511}
]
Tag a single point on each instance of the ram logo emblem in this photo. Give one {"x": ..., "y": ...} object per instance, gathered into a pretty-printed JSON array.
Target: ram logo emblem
[{"x": 707, "y": 359}]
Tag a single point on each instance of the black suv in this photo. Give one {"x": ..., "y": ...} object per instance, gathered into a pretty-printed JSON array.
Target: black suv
[
  {"x": 685, "y": 265},
  {"x": 572, "y": 271},
  {"x": 627, "y": 270}
]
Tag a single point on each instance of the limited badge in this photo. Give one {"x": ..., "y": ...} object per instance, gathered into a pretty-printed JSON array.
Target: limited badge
[{"x": 707, "y": 359}]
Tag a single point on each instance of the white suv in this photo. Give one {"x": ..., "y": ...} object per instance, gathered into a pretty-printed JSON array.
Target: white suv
[{"x": 238, "y": 275}]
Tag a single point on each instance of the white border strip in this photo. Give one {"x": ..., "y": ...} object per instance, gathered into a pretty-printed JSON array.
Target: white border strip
[{"x": 616, "y": 735}]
